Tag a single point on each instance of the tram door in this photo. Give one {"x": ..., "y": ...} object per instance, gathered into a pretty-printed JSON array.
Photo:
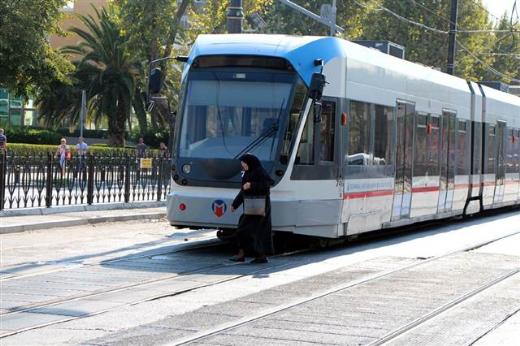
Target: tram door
[
  {"x": 447, "y": 161},
  {"x": 500, "y": 165},
  {"x": 404, "y": 161}
]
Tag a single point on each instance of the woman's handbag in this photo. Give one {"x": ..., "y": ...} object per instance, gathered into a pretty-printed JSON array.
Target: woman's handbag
[{"x": 254, "y": 205}]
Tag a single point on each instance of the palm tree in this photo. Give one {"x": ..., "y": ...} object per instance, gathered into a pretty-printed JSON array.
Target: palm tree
[{"x": 106, "y": 70}]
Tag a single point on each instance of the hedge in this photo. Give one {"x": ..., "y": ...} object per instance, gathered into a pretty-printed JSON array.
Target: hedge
[
  {"x": 35, "y": 149},
  {"x": 32, "y": 135}
]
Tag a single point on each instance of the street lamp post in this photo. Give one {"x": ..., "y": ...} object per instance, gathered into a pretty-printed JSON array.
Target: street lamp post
[{"x": 235, "y": 15}]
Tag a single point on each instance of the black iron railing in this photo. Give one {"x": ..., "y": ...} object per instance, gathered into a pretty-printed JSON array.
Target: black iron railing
[{"x": 39, "y": 180}]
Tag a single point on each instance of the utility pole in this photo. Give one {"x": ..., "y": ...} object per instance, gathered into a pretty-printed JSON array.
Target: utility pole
[
  {"x": 82, "y": 112},
  {"x": 235, "y": 15},
  {"x": 333, "y": 19},
  {"x": 452, "y": 37},
  {"x": 328, "y": 20}
]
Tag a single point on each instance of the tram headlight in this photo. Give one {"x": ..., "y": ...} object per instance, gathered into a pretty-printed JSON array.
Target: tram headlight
[{"x": 186, "y": 168}]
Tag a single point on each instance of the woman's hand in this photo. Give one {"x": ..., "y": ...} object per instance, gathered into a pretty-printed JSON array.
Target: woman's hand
[
  {"x": 247, "y": 186},
  {"x": 233, "y": 209}
]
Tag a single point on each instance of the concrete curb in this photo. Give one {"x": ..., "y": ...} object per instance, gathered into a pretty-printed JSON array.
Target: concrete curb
[
  {"x": 79, "y": 208},
  {"x": 80, "y": 221}
]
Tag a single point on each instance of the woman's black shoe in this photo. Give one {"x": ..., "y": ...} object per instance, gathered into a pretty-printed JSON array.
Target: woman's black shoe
[
  {"x": 237, "y": 259},
  {"x": 259, "y": 261}
]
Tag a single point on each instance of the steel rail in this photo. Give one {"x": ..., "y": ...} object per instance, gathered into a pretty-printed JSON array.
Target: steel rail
[{"x": 274, "y": 310}]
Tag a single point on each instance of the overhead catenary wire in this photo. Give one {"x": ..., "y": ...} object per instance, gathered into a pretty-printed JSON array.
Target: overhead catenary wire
[
  {"x": 426, "y": 27},
  {"x": 486, "y": 65}
]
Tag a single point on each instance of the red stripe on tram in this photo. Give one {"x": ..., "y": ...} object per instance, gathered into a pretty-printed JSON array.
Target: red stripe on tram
[
  {"x": 425, "y": 189},
  {"x": 365, "y": 194}
]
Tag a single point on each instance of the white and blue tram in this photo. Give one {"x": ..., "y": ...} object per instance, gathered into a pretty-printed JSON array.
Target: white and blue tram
[{"x": 392, "y": 143}]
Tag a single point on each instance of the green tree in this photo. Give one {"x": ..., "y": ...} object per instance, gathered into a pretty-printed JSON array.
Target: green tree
[
  {"x": 154, "y": 30},
  {"x": 428, "y": 46},
  {"x": 505, "y": 51},
  {"x": 27, "y": 62},
  {"x": 104, "y": 69}
]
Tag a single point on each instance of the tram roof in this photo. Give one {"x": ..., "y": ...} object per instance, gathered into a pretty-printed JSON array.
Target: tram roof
[{"x": 300, "y": 51}]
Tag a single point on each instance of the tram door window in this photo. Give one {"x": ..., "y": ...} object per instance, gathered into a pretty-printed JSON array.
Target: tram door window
[
  {"x": 489, "y": 163},
  {"x": 462, "y": 140},
  {"x": 510, "y": 151},
  {"x": 404, "y": 161},
  {"x": 477, "y": 148},
  {"x": 448, "y": 161},
  {"x": 501, "y": 142}
]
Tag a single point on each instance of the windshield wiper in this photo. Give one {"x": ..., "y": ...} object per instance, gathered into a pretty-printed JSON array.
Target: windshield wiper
[{"x": 263, "y": 136}]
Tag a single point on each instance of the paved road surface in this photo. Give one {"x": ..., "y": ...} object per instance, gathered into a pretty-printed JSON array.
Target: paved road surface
[{"x": 144, "y": 283}]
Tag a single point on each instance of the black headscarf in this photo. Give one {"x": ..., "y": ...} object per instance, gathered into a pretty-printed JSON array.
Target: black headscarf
[
  {"x": 252, "y": 161},
  {"x": 255, "y": 170}
]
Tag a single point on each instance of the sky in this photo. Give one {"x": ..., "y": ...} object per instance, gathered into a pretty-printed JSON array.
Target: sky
[{"x": 498, "y": 7}]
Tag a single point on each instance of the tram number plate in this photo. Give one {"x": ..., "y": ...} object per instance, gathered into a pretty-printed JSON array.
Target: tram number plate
[{"x": 145, "y": 163}]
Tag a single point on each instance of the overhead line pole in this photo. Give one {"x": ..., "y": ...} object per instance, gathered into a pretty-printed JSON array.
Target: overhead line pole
[
  {"x": 330, "y": 23},
  {"x": 452, "y": 37}
]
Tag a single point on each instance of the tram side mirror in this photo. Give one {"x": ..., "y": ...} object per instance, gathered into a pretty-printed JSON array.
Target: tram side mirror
[
  {"x": 317, "y": 85},
  {"x": 155, "y": 81}
]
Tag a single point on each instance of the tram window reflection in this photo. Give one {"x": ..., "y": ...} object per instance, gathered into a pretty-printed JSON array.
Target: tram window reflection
[
  {"x": 222, "y": 117},
  {"x": 384, "y": 122},
  {"x": 462, "y": 160},
  {"x": 358, "y": 150},
  {"x": 305, "y": 154},
  {"x": 327, "y": 131}
]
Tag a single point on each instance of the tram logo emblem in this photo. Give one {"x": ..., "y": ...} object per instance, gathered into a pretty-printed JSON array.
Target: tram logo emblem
[{"x": 219, "y": 207}]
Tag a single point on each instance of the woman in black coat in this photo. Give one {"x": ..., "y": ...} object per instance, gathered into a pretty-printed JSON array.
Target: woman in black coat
[{"x": 254, "y": 231}]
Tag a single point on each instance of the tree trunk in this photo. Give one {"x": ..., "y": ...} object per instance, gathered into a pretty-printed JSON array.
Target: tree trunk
[
  {"x": 140, "y": 111},
  {"x": 116, "y": 127}
]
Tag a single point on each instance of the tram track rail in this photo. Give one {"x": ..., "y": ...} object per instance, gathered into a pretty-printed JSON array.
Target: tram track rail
[
  {"x": 97, "y": 293},
  {"x": 243, "y": 321},
  {"x": 387, "y": 337}
]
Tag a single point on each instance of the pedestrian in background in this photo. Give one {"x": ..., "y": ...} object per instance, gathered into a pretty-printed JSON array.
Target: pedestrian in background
[
  {"x": 3, "y": 142},
  {"x": 163, "y": 151},
  {"x": 81, "y": 149},
  {"x": 254, "y": 226},
  {"x": 140, "y": 148},
  {"x": 63, "y": 153}
]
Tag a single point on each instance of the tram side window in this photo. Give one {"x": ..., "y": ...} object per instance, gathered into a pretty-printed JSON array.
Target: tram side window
[
  {"x": 384, "y": 123},
  {"x": 462, "y": 159},
  {"x": 305, "y": 154},
  {"x": 327, "y": 131},
  {"x": 294, "y": 116},
  {"x": 358, "y": 150},
  {"x": 490, "y": 150}
]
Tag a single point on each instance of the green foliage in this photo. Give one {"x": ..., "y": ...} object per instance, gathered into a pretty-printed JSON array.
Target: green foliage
[
  {"x": 105, "y": 69},
  {"x": 151, "y": 138},
  {"x": 31, "y": 135},
  {"x": 27, "y": 62},
  {"x": 35, "y": 149}
]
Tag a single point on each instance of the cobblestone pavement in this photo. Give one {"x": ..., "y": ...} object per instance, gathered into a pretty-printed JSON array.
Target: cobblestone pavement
[{"x": 142, "y": 283}]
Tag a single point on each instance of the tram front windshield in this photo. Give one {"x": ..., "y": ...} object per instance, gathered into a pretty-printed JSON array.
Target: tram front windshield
[{"x": 227, "y": 111}]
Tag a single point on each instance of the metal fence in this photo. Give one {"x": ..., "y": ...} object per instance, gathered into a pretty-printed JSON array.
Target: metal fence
[{"x": 28, "y": 181}]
